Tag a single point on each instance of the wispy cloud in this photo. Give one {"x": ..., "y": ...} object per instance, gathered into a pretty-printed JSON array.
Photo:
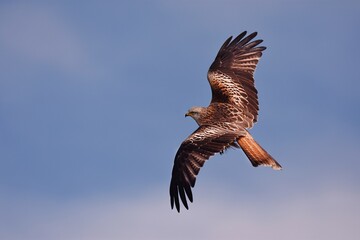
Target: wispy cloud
[{"x": 326, "y": 215}]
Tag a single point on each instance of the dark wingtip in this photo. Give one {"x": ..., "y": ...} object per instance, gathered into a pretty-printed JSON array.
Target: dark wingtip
[
  {"x": 238, "y": 39},
  {"x": 189, "y": 193},
  {"x": 241, "y": 35},
  {"x": 181, "y": 192},
  {"x": 226, "y": 43},
  {"x": 254, "y": 34}
]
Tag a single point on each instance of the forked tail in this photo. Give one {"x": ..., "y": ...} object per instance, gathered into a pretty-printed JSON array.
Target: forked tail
[{"x": 256, "y": 154}]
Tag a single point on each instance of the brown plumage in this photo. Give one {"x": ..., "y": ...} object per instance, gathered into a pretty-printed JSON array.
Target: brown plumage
[{"x": 233, "y": 109}]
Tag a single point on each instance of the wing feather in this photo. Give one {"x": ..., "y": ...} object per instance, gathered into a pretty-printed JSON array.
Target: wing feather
[
  {"x": 231, "y": 74},
  {"x": 191, "y": 156}
]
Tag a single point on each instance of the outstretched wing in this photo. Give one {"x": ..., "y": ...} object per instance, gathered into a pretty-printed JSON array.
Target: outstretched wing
[
  {"x": 192, "y": 154},
  {"x": 231, "y": 74}
]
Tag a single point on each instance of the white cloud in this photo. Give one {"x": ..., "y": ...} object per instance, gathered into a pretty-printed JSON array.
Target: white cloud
[
  {"x": 38, "y": 34},
  {"x": 322, "y": 215}
]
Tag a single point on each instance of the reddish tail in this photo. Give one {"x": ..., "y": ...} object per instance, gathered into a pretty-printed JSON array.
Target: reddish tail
[{"x": 256, "y": 154}]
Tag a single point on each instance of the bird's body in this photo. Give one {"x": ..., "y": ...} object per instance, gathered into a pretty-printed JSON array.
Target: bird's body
[{"x": 224, "y": 123}]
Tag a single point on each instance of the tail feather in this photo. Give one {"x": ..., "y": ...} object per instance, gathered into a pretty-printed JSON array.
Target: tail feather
[{"x": 256, "y": 154}]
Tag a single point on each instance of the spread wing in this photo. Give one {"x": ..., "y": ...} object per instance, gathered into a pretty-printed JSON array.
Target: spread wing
[
  {"x": 231, "y": 74},
  {"x": 194, "y": 151}
]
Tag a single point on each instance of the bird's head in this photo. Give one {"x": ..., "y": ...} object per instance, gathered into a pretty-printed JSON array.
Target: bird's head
[{"x": 196, "y": 113}]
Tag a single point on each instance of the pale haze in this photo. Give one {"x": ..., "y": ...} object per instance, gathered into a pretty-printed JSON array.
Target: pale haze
[{"x": 92, "y": 102}]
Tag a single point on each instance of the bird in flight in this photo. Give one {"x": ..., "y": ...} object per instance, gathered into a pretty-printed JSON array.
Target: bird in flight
[{"x": 233, "y": 109}]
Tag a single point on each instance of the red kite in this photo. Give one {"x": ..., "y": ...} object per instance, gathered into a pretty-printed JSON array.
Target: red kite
[{"x": 233, "y": 109}]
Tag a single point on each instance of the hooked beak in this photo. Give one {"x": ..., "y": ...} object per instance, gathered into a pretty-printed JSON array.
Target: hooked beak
[{"x": 187, "y": 114}]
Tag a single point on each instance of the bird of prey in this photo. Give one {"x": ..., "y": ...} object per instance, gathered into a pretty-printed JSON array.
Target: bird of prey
[{"x": 233, "y": 109}]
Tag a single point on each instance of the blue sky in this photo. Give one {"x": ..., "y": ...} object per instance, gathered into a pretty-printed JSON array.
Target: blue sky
[{"x": 92, "y": 103}]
